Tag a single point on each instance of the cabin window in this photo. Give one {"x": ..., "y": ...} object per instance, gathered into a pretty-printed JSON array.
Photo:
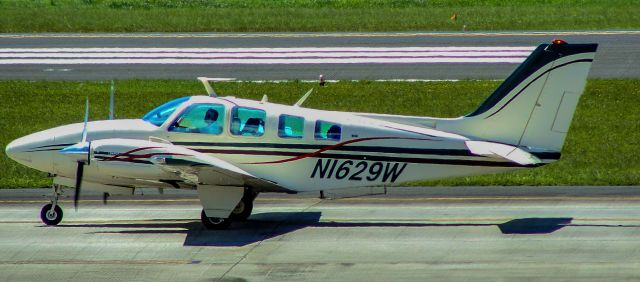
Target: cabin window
[
  {"x": 290, "y": 126},
  {"x": 160, "y": 114},
  {"x": 247, "y": 121},
  {"x": 327, "y": 131},
  {"x": 200, "y": 118}
]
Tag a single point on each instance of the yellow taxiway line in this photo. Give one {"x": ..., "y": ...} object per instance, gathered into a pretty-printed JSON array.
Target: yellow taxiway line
[{"x": 354, "y": 199}]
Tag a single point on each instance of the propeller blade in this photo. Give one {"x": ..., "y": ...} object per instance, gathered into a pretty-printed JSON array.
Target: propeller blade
[
  {"x": 83, "y": 147},
  {"x": 79, "y": 172},
  {"x": 105, "y": 197},
  {"x": 112, "y": 93},
  {"x": 86, "y": 120}
]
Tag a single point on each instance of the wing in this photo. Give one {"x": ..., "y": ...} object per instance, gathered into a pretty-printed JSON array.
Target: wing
[
  {"x": 199, "y": 168},
  {"x": 192, "y": 166}
]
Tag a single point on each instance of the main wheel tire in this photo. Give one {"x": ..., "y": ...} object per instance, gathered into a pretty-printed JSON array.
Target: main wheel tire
[
  {"x": 243, "y": 209},
  {"x": 49, "y": 217},
  {"x": 214, "y": 223}
]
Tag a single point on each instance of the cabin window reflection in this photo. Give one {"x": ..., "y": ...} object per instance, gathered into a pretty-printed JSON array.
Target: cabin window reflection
[
  {"x": 160, "y": 114},
  {"x": 290, "y": 126},
  {"x": 328, "y": 131},
  {"x": 200, "y": 118},
  {"x": 247, "y": 121}
]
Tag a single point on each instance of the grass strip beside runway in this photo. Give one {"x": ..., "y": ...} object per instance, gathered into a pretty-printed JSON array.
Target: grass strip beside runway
[
  {"x": 601, "y": 149},
  {"x": 307, "y": 15}
]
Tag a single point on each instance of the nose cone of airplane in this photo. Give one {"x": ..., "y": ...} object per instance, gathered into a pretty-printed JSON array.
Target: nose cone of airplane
[
  {"x": 11, "y": 150},
  {"x": 23, "y": 150},
  {"x": 16, "y": 150}
]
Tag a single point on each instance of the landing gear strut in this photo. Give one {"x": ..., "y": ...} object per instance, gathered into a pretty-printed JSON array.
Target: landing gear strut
[
  {"x": 51, "y": 214},
  {"x": 245, "y": 206}
]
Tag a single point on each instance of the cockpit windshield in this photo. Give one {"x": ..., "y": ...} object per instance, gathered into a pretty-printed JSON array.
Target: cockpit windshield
[{"x": 160, "y": 114}]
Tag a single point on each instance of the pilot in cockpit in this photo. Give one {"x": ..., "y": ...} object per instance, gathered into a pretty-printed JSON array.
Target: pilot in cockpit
[{"x": 211, "y": 123}]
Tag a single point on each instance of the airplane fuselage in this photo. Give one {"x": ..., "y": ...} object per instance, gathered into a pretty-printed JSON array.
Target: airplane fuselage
[{"x": 366, "y": 152}]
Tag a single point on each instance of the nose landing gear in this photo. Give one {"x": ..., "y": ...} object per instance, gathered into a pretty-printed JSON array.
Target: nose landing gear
[{"x": 51, "y": 214}]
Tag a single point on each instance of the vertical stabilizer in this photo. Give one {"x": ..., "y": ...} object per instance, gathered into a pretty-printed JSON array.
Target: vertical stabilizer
[{"x": 534, "y": 106}]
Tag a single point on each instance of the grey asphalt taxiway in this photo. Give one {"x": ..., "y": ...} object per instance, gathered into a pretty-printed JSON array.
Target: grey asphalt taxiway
[
  {"x": 618, "y": 55},
  {"x": 408, "y": 234}
]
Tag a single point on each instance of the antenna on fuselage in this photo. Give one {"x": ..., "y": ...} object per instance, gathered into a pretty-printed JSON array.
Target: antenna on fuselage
[
  {"x": 112, "y": 94},
  {"x": 207, "y": 85},
  {"x": 303, "y": 98},
  {"x": 264, "y": 99}
]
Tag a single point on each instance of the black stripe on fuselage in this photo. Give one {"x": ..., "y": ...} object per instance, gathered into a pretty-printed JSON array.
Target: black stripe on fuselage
[
  {"x": 365, "y": 158},
  {"x": 104, "y": 159},
  {"x": 368, "y": 149},
  {"x": 361, "y": 149},
  {"x": 45, "y": 148},
  {"x": 56, "y": 145},
  {"x": 365, "y": 149},
  {"x": 547, "y": 155},
  {"x": 350, "y": 157}
]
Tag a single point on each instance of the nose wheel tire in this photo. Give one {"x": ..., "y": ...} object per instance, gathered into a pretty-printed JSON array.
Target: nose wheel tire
[
  {"x": 214, "y": 223},
  {"x": 51, "y": 217}
]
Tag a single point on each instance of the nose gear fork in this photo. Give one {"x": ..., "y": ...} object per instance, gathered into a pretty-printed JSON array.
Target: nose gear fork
[
  {"x": 51, "y": 214},
  {"x": 57, "y": 191}
]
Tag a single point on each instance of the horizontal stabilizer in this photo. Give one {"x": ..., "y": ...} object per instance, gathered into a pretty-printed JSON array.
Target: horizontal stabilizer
[{"x": 503, "y": 151}]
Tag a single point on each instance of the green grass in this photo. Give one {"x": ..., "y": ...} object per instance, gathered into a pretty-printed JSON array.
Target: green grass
[
  {"x": 601, "y": 149},
  {"x": 314, "y": 15}
]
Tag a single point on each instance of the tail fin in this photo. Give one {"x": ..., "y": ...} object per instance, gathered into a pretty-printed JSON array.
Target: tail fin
[{"x": 534, "y": 106}]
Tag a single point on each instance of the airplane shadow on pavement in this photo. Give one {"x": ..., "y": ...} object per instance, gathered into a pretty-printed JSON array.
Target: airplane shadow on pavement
[{"x": 264, "y": 226}]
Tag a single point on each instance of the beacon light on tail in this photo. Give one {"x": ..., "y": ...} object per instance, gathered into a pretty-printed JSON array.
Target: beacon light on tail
[{"x": 231, "y": 149}]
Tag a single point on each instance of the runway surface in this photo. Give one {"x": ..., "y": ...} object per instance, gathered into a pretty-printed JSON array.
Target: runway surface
[
  {"x": 415, "y": 234},
  {"x": 274, "y": 56}
]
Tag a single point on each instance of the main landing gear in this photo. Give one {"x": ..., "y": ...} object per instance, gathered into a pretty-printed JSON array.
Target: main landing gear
[
  {"x": 51, "y": 214},
  {"x": 241, "y": 212},
  {"x": 245, "y": 206},
  {"x": 214, "y": 223}
]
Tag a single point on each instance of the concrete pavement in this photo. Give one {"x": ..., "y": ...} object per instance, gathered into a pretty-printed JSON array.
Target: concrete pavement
[{"x": 441, "y": 233}]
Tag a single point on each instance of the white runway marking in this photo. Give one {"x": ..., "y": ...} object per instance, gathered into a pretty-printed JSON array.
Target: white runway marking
[
  {"x": 313, "y": 55},
  {"x": 56, "y": 70}
]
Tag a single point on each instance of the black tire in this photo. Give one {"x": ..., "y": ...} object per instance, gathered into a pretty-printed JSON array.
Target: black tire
[
  {"x": 51, "y": 218},
  {"x": 214, "y": 223},
  {"x": 243, "y": 209}
]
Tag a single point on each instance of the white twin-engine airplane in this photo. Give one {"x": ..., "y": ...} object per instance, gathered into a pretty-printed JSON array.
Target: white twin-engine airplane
[{"x": 231, "y": 149}]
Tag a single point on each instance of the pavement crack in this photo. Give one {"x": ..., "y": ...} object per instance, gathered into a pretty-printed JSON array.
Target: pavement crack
[{"x": 266, "y": 236}]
